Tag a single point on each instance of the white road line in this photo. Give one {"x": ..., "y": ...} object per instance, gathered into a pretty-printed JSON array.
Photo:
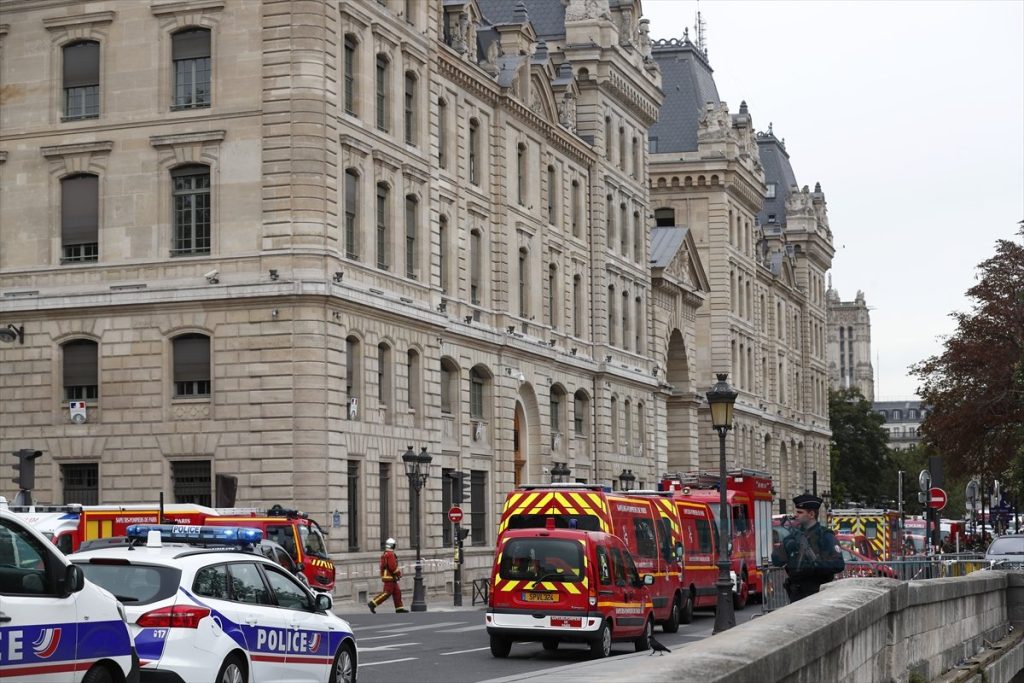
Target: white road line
[
  {"x": 363, "y": 665},
  {"x": 423, "y": 627},
  {"x": 390, "y": 635},
  {"x": 477, "y": 627},
  {"x": 459, "y": 652},
  {"x": 380, "y": 648}
]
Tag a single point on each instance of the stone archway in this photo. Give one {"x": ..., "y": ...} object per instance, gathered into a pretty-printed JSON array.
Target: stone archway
[
  {"x": 680, "y": 409},
  {"x": 527, "y": 461}
]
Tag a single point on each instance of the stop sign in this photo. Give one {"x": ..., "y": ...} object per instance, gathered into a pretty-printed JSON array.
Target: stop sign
[
  {"x": 936, "y": 498},
  {"x": 455, "y": 513}
]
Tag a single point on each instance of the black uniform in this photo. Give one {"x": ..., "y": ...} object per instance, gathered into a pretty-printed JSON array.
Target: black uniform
[{"x": 811, "y": 557}]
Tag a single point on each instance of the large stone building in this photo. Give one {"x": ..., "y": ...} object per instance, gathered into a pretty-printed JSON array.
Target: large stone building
[
  {"x": 902, "y": 422},
  {"x": 849, "y": 344},
  {"x": 766, "y": 246}
]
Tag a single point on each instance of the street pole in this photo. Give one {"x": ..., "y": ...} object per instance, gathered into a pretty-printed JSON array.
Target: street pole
[
  {"x": 899, "y": 507},
  {"x": 725, "y": 618},
  {"x": 419, "y": 603}
]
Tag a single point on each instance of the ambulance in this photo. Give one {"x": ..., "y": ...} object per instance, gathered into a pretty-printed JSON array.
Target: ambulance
[
  {"x": 54, "y": 625},
  {"x": 557, "y": 585},
  {"x": 749, "y": 497},
  {"x": 653, "y": 540},
  {"x": 881, "y": 528}
]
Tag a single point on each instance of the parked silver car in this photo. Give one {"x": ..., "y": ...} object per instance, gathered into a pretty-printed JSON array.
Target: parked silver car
[{"x": 1006, "y": 552}]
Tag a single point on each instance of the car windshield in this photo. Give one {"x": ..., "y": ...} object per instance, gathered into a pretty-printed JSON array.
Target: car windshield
[
  {"x": 1007, "y": 545},
  {"x": 133, "y": 584},
  {"x": 313, "y": 542},
  {"x": 542, "y": 559}
]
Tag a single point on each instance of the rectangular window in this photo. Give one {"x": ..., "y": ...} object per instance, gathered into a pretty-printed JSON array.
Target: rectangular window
[
  {"x": 410, "y": 109},
  {"x": 353, "y": 505},
  {"x": 191, "y": 366},
  {"x": 351, "y": 213},
  {"x": 442, "y": 134},
  {"x": 81, "y": 80},
  {"x": 191, "y": 57},
  {"x": 81, "y": 377},
  {"x": 411, "y": 209},
  {"x": 191, "y": 189},
  {"x": 476, "y": 396},
  {"x": 475, "y": 266},
  {"x": 478, "y": 507},
  {"x": 382, "y": 94},
  {"x": 385, "y": 502},
  {"x": 350, "y": 75},
  {"x": 474, "y": 152},
  {"x": 79, "y": 218},
  {"x": 192, "y": 482},
  {"x": 382, "y": 227},
  {"x": 579, "y": 415},
  {"x": 446, "y": 391},
  {"x": 81, "y": 483},
  {"x": 447, "y": 489}
]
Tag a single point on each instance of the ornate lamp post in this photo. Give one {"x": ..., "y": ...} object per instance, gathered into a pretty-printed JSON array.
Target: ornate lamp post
[
  {"x": 417, "y": 468},
  {"x": 560, "y": 473},
  {"x": 721, "y": 398},
  {"x": 626, "y": 480}
]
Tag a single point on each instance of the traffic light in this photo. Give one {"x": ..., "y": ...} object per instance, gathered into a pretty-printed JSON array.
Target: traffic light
[
  {"x": 25, "y": 468},
  {"x": 460, "y": 487}
]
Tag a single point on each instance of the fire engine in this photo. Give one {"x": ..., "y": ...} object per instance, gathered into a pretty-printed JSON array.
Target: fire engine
[
  {"x": 749, "y": 496},
  {"x": 880, "y": 527}
]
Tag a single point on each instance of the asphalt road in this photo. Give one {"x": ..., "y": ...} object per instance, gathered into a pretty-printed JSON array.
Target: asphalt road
[{"x": 451, "y": 646}]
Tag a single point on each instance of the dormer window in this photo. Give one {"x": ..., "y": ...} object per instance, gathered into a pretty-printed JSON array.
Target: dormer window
[
  {"x": 770, "y": 191},
  {"x": 771, "y": 218}
]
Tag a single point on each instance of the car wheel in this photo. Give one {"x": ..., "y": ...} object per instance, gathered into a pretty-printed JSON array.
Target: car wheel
[
  {"x": 500, "y": 646},
  {"x": 232, "y": 671},
  {"x": 98, "y": 674},
  {"x": 686, "y": 616},
  {"x": 671, "y": 625},
  {"x": 344, "y": 668},
  {"x": 739, "y": 597},
  {"x": 644, "y": 641},
  {"x": 602, "y": 646}
]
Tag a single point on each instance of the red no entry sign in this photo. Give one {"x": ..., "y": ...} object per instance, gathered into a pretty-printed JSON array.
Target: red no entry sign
[
  {"x": 936, "y": 498},
  {"x": 455, "y": 514}
]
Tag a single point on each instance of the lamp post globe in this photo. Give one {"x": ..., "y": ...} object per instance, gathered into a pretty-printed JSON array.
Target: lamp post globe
[
  {"x": 721, "y": 398},
  {"x": 417, "y": 468},
  {"x": 626, "y": 479}
]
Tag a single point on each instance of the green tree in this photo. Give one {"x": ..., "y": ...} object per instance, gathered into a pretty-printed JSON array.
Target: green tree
[
  {"x": 862, "y": 469},
  {"x": 975, "y": 387}
]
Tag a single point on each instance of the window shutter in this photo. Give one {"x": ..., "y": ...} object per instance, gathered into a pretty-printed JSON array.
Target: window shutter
[
  {"x": 80, "y": 363},
  {"x": 191, "y": 358},
  {"x": 82, "y": 64},
  {"x": 79, "y": 209},
  {"x": 191, "y": 44}
]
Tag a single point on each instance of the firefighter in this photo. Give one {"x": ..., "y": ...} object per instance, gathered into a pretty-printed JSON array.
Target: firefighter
[
  {"x": 389, "y": 575},
  {"x": 810, "y": 552}
]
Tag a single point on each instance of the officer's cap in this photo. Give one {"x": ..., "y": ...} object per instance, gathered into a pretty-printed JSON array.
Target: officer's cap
[{"x": 807, "y": 501}]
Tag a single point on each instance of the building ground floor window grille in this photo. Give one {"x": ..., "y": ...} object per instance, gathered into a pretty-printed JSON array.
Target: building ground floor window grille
[
  {"x": 478, "y": 507},
  {"x": 192, "y": 482},
  {"x": 81, "y": 483}
]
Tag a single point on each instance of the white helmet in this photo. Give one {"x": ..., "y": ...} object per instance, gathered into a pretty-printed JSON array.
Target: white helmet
[{"x": 389, "y": 544}]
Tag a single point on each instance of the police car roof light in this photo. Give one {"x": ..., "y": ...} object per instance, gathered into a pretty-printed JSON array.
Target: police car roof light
[{"x": 185, "y": 533}]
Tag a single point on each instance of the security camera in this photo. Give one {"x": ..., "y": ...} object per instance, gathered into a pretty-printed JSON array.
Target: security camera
[{"x": 212, "y": 276}]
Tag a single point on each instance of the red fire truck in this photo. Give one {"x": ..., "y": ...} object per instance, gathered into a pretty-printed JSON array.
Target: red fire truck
[{"x": 749, "y": 496}]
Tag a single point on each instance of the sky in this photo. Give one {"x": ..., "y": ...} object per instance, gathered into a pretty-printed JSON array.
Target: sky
[{"x": 911, "y": 116}]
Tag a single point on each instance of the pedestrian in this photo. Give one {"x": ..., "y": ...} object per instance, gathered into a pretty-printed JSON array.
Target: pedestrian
[
  {"x": 389, "y": 575},
  {"x": 810, "y": 552}
]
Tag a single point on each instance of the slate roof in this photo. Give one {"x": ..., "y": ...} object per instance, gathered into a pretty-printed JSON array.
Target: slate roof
[
  {"x": 546, "y": 16},
  {"x": 665, "y": 242},
  {"x": 688, "y": 84},
  {"x": 778, "y": 170}
]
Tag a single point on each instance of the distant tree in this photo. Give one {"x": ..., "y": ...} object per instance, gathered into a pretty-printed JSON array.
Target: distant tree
[
  {"x": 975, "y": 387},
  {"x": 862, "y": 469}
]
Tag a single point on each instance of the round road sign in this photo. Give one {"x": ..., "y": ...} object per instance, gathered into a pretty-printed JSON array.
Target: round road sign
[
  {"x": 936, "y": 498},
  {"x": 455, "y": 513}
]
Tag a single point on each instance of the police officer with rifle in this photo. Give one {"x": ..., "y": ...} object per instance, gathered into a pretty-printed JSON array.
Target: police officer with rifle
[{"x": 810, "y": 552}]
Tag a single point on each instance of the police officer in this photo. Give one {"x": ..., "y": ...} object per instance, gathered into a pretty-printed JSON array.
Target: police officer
[
  {"x": 810, "y": 552},
  {"x": 389, "y": 575}
]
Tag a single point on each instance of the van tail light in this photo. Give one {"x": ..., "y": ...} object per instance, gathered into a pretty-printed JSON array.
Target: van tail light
[{"x": 175, "y": 616}]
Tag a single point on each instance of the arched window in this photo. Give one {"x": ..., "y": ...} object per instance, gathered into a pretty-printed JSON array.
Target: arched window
[
  {"x": 581, "y": 413},
  {"x": 623, "y": 229},
  {"x": 640, "y": 319},
  {"x": 191, "y": 55},
  {"x": 577, "y": 208},
  {"x": 577, "y": 305},
  {"x": 442, "y": 133},
  {"x": 81, "y": 80},
  {"x": 665, "y": 217},
  {"x": 553, "y": 296},
  {"x": 627, "y": 415},
  {"x": 639, "y": 234},
  {"x": 353, "y": 376},
  {"x": 192, "y": 208},
  {"x": 81, "y": 370},
  {"x": 385, "y": 373},
  {"x": 613, "y": 417},
  {"x": 443, "y": 237},
  {"x": 415, "y": 373},
  {"x": 523, "y": 281},
  {"x": 552, "y": 196},
  {"x": 611, "y": 315},
  {"x": 191, "y": 354},
  {"x": 79, "y": 218},
  {"x": 383, "y": 226},
  {"x": 351, "y": 213},
  {"x": 477, "y": 394},
  {"x": 625, "y": 320},
  {"x": 449, "y": 386},
  {"x": 555, "y": 408}
]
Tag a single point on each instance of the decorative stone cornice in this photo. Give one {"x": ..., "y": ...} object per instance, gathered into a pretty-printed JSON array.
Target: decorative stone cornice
[
  {"x": 160, "y": 9},
  {"x": 416, "y": 173},
  {"x": 177, "y": 139},
  {"x": 388, "y": 160},
  {"x": 79, "y": 21},
  {"x": 58, "y": 151},
  {"x": 356, "y": 144}
]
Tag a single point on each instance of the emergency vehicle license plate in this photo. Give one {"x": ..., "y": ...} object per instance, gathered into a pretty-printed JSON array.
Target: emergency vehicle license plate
[
  {"x": 530, "y": 596},
  {"x": 566, "y": 622}
]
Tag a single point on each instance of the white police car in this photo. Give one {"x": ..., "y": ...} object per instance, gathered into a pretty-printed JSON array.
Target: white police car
[
  {"x": 54, "y": 625},
  {"x": 203, "y": 606}
]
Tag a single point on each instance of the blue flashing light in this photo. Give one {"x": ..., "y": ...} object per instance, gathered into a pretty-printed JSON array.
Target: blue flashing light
[{"x": 191, "y": 533}]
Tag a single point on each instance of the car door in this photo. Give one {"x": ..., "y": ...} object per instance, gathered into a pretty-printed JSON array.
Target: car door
[
  {"x": 265, "y": 627},
  {"x": 38, "y": 629},
  {"x": 310, "y": 635}
]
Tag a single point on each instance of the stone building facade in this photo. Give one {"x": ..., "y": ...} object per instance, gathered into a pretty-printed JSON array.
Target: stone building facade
[
  {"x": 766, "y": 246},
  {"x": 849, "y": 344},
  {"x": 287, "y": 240}
]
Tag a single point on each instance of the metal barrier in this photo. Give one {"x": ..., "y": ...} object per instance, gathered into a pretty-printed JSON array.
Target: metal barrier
[
  {"x": 481, "y": 590},
  {"x": 774, "y": 593}
]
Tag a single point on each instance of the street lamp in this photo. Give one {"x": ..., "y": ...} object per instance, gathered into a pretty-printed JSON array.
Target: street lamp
[
  {"x": 626, "y": 480},
  {"x": 417, "y": 468},
  {"x": 560, "y": 473},
  {"x": 721, "y": 398}
]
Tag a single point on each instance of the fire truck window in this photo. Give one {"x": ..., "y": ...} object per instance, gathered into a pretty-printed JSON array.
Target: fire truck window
[
  {"x": 283, "y": 536},
  {"x": 604, "y": 570},
  {"x": 632, "y": 575},
  {"x": 64, "y": 543},
  {"x": 584, "y": 522},
  {"x": 646, "y": 544},
  {"x": 312, "y": 542},
  {"x": 739, "y": 519},
  {"x": 618, "y": 567},
  {"x": 665, "y": 539},
  {"x": 870, "y": 529},
  {"x": 542, "y": 559},
  {"x": 704, "y": 535}
]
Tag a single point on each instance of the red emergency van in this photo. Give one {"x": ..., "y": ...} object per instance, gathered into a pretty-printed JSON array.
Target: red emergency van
[
  {"x": 567, "y": 585},
  {"x": 749, "y": 496},
  {"x": 654, "y": 542}
]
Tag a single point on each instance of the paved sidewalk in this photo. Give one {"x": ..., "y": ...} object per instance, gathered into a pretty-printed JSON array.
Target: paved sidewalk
[{"x": 439, "y": 605}]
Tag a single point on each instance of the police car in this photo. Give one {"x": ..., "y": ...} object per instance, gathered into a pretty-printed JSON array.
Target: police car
[
  {"x": 55, "y": 625},
  {"x": 203, "y": 605}
]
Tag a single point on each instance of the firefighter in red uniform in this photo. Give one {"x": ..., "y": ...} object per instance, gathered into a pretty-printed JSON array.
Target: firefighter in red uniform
[{"x": 389, "y": 574}]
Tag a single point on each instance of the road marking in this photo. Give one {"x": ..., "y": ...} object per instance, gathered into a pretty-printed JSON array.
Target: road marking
[
  {"x": 459, "y": 652},
  {"x": 389, "y": 646},
  {"x": 476, "y": 627},
  {"x": 363, "y": 665},
  {"x": 390, "y": 635},
  {"x": 427, "y": 626}
]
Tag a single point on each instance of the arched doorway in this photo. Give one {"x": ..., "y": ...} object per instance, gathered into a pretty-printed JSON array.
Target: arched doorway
[
  {"x": 680, "y": 409},
  {"x": 519, "y": 454}
]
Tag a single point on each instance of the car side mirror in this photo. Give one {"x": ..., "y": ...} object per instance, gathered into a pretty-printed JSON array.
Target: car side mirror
[
  {"x": 324, "y": 602},
  {"x": 648, "y": 579},
  {"x": 73, "y": 581},
  {"x": 299, "y": 566}
]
